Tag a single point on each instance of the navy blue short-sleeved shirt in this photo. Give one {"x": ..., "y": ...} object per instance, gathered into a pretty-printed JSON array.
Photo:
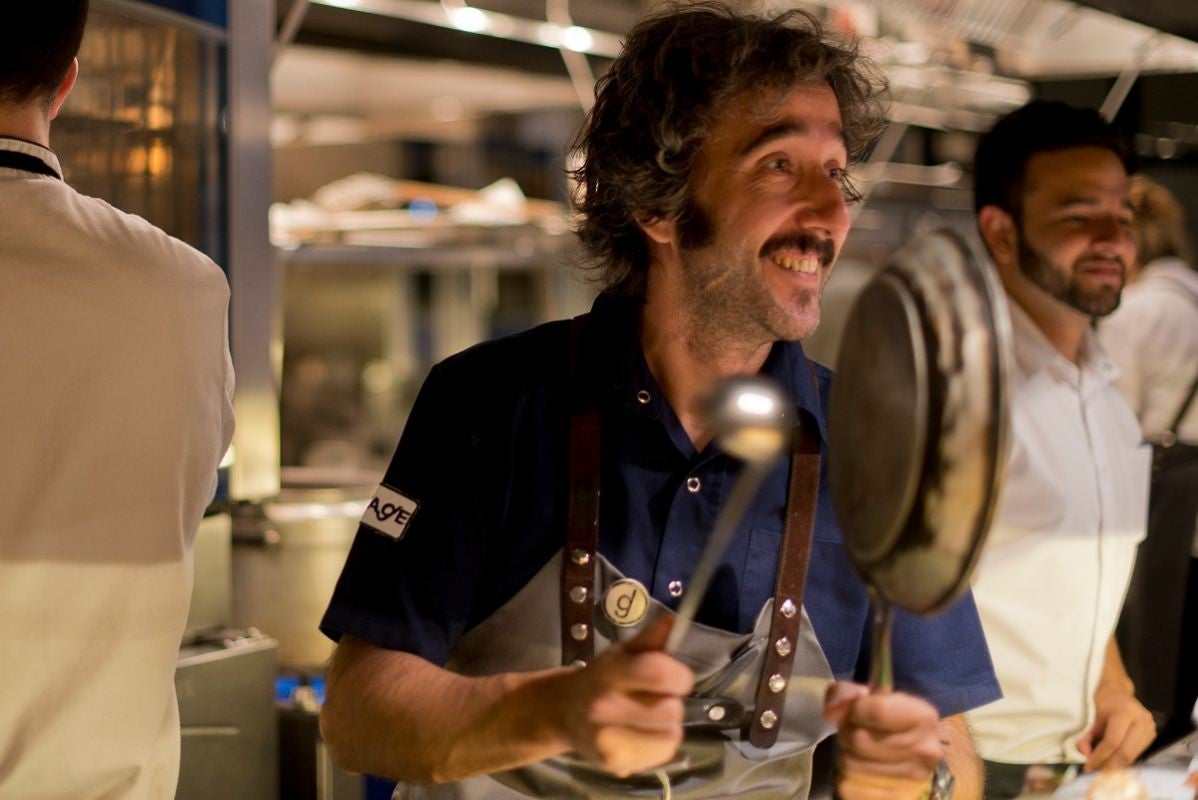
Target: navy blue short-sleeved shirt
[{"x": 481, "y": 473}]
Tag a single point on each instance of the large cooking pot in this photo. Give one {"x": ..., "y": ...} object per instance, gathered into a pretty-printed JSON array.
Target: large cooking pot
[
  {"x": 287, "y": 555},
  {"x": 918, "y": 426}
]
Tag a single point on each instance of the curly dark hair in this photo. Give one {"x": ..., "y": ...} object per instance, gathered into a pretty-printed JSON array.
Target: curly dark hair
[
  {"x": 38, "y": 40},
  {"x": 1041, "y": 126},
  {"x": 677, "y": 72}
]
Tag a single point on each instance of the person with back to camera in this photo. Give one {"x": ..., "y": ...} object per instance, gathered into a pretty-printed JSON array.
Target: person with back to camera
[
  {"x": 1052, "y": 204},
  {"x": 114, "y": 415},
  {"x": 715, "y": 174},
  {"x": 1153, "y": 337}
]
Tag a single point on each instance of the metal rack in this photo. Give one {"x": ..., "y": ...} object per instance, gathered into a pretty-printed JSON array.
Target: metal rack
[{"x": 363, "y": 323}]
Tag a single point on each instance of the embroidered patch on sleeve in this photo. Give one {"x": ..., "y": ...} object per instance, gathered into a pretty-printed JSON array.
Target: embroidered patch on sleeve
[{"x": 389, "y": 512}]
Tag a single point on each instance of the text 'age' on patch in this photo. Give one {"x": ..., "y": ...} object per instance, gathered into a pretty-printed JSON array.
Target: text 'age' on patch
[{"x": 389, "y": 512}]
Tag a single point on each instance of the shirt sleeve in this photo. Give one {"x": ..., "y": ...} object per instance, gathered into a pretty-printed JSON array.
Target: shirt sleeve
[
  {"x": 411, "y": 587},
  {"x": 1163, "y": 356},
  {"x": 942, "y": 658}
]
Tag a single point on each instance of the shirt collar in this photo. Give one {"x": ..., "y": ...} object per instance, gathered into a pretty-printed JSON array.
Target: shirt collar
[
  {"x": 613, "y": 363},
  {"x": 788, "y": 364},
  {"x": 607, "y": 342},
  {"x": 33, "y": 149},
  {"x": 1034, "y": 352}
]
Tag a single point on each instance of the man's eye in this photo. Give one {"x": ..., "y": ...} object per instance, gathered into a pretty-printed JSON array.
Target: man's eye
[
  {"x": 851, "y": 193},
  {"x": 778, "y": 164}
]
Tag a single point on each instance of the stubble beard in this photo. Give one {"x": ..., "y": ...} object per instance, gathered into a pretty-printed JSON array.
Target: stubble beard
[
  {"x": 729, "y": 307},
  {"x": 1066, "y": 288}
]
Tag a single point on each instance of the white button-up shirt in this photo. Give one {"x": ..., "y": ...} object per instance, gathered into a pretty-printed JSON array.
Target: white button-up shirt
[
  {"x": 1052, "y": 577},
  {"x": 114, "y": 412}
]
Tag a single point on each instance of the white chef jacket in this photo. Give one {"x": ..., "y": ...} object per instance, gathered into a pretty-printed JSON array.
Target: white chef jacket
[
  {"x": 1056, "y": 565},
  {"x": 1153, "y": 337},
  {"x": 115, "y": 409}
]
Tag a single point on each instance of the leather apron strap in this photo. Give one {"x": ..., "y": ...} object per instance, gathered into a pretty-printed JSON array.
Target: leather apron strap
[
  {"x": 582, "y": 524},
  {"x": 801, "y": 501}
]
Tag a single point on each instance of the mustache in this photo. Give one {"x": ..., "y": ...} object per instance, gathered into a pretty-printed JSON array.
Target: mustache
[{"x": 804, "y": 242}]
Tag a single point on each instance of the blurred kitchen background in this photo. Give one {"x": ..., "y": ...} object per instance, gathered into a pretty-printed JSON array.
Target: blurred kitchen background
[{"x": 384, "y": 182}]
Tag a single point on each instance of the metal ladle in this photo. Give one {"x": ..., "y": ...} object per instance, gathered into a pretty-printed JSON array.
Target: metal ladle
[{"x": 751, "y": 420}]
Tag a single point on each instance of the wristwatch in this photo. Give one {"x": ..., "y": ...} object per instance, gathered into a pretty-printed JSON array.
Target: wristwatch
[{"x": 940, "y": 787}]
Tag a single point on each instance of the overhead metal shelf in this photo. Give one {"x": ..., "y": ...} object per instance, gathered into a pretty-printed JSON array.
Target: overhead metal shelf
[{"x": 508, "y": 247}]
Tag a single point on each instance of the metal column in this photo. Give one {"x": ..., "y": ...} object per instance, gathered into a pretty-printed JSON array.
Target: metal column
[{"x": 253, "y": 273}]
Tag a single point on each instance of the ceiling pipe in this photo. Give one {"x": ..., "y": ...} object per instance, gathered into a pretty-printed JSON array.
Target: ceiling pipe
[
  {"x": 456, "y": 15},
  {"x": 1127, "y": 78},
  {"x": 291, "y": 25},
  {"x": 557, "y": 12}
]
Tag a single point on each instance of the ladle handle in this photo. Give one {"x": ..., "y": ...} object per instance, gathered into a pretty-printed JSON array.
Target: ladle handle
[
  {"x": 881, "y": 665},
  {"x": 743, "y": 492}
]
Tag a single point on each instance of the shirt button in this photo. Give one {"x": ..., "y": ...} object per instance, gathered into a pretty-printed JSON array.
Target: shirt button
[
  {"x": 693, "y": 484},
  {"x": 642, "y": 397},
  {"x": 675, "y": 588}
]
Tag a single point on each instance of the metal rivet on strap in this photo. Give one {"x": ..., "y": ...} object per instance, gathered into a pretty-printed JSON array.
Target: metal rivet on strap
[
  {"x": 642, "y": 397},
  {"x": 579, "y": 594},
  {"x": 777, "y": 683},
  {"x": 782, "y": 647},
  {"x": 579, "y": 631},
  {"x": 716, "y": 713},
  {"x": 788, "y": 608},
  {"x": 675, "y": 588},
  {"x": 768, "y": 719},
  {"x": 693, "y": 484},
  {"x": 578, "y": 662},
  {"x": 580, "y": 557}
]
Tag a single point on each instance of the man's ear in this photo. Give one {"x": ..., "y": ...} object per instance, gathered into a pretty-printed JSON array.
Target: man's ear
[
  {"x": 659, "y": 229},
  {"x": 998, "y": 232},
  {"x": 64, "y": 88}
]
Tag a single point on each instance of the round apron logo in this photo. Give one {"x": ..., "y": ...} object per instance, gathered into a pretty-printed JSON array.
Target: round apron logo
[{"x": 626, "y": 602}]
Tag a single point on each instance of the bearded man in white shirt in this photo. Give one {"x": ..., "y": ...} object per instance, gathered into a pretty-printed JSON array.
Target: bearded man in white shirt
[{"x": 1053, "y": 209}]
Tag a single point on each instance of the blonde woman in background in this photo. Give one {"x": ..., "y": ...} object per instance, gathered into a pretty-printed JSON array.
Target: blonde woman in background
[{"x": 1153, "y": 337}]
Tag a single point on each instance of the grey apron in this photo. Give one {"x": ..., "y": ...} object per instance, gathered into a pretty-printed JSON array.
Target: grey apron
[
  {"x": 524, "y": 635},
  {"x": 532, "y": 631}
]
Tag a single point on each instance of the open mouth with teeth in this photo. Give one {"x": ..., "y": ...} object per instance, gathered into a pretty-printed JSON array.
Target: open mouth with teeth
[
  {"x": 803, "y": 253},
  {"x": 806, "y": 263}
]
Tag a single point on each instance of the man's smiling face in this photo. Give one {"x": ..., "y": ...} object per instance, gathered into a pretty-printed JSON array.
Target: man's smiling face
[
  {"x": 768, "y": 216},
  {"x": 1075, "y": 228}
]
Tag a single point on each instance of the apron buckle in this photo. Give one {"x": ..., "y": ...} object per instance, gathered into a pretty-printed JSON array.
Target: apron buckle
[{"x": 713, "y": 713}]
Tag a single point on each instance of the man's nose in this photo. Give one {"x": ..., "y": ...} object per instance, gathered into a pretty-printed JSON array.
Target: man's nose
[
  {"x": 1109, "y": 230},
  {"x": 821, "y": 202}
]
